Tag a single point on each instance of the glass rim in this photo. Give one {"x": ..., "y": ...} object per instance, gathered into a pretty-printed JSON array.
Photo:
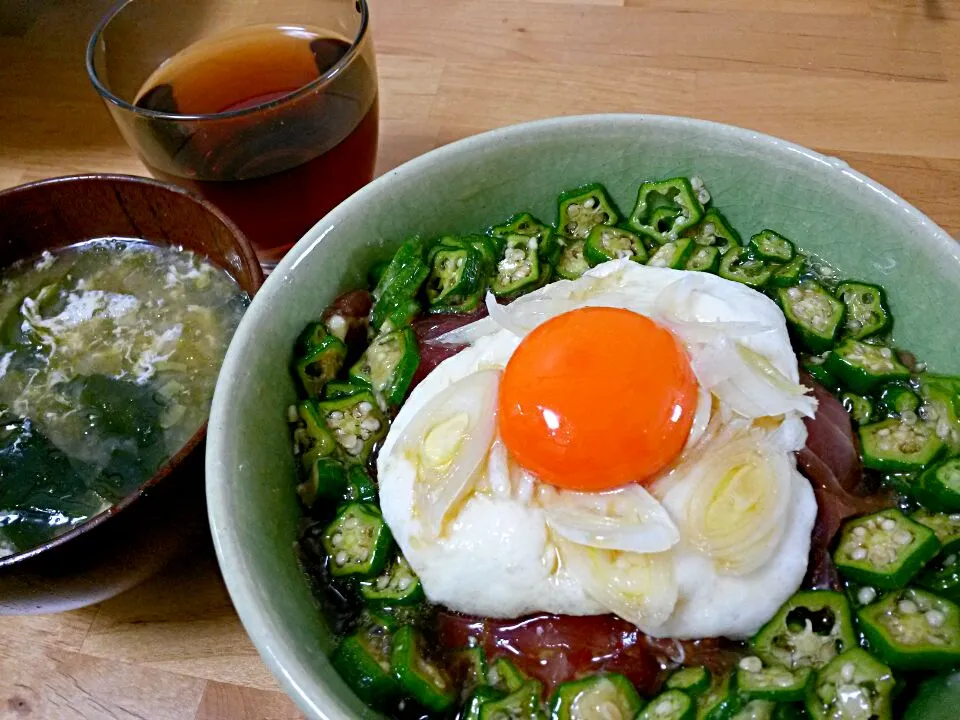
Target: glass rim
[{"x": 108, "y": 96}]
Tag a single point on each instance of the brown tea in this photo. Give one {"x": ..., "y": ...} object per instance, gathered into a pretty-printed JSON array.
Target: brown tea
[{"x": 278, "y": 169}]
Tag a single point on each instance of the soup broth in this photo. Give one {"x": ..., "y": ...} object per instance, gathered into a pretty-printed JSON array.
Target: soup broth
[{"x": 109, "y": 353}]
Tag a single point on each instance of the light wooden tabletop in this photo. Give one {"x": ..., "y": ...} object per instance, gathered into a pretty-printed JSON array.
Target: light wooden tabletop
[{"x": 876, "y": 82}]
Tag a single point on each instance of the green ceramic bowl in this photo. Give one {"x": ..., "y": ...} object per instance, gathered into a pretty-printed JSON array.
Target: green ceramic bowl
[{"x": 759, "y": 181}]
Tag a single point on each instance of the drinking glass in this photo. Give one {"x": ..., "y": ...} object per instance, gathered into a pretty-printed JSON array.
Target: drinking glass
[{"x": 275, "y": 131}]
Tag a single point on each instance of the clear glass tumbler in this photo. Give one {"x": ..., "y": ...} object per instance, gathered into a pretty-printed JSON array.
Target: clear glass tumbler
[{"x": 267, "y": 109}]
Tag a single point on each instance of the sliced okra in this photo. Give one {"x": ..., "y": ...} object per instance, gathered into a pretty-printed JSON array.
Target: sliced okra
[
  {"x": 520, "y": 269},
  {"x": 358, "y": 541},
  {"x": 860, "y": 366},
  {"x": 946, "y": 526},
  {"x": 811, "y": 629},
  {"x": 520, "y": 224},
  {"x": 772, "y": 246},
  {"x": 388, "y": 365},
  {"x": 665, "y": 209},
  {"x": 606, "y": 695},
  {"x": 942, "y": 576},
  {"x": 356, "y": 423},
  {"x": 813, "y": 314},
  {"x": 859, "y": 407},
  {"x": 913, "y": 629},
  {"x": 470, "y": 669},
  {"x": 755, "y": 680},
  {"x": 394, "y": 296},
  {"x": 420, "y": 677},
  {"x": 321, "y": 360},
  {"x": 672, "y": 254},
  {"x": 721, "y": 700},
  {"x": 895, "y": 399},
  {"x": 789, "y": 274},
  {"x": 479, "y": 697},
  {"x": 739, "y": 266},
  {"x": 670, "y": 705},
  {"x": 813, "y": 365},
  {"x": 363, "y": 661},
  {"x": 716, "y": 231},
  {"x": 884, "y": 550},
  {"x": 573, "y": 262},
  {"x": 583, "y": 208},
  {"x": 867, "y": 310},
  {"x": 522, "y": 704},
  {"x": 505, "y": 676},
  {"x": 938, "y": 487},
  {"x": 899, "y": 445},
  {"x": 326, "y": 483},
  {"x": 612, "y": 243},
  {"x": 939, "y": 406},
  {"x": 398, "y": 584},
  {"x": 692, "y": 680},
  {"x": 704, "y": 259},
  {"x": 311, "y": 437},
  {"x": 338, "y": 389},
  {"x": 360, "y": 486},
  {"x": 458, "y": 275},
  {"x": 853, "y": 685}
]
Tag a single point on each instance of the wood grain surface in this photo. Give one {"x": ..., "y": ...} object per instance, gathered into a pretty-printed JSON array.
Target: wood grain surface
[{"x": 875, "y": 82}]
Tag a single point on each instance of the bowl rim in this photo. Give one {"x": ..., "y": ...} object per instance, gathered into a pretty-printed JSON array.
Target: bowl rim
[
  {"x": 249, "y": 259},
  {"x": 241, "y": 585}
]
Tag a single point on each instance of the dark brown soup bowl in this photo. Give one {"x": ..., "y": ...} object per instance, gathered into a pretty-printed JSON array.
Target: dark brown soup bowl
[{"x": 117, "y": 549}]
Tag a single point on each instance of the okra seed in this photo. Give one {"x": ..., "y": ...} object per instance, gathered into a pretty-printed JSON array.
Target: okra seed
[
  {"x": 341, "y": 558},
  {"x": 847, "y": 672},
  {"x": 572, "y": 210},
  {"x": 949, "y": 559},
  {"x": 883, "y": 432},
  {"x": 336, "y": 416},
  {"x": 859, "y": 531},
  {"x": 751, "y": 664},
  {"x": 382, "y": 582},
  {"x": 404, "y": 583},
  {"x": 903, "y": 538},
  {"x": 859, "y": 554},
  {"x": 350, "y": 523},
  {"x": 909, "y": 417},
  {"x": 886, "y": 352},
  {"x": 888, "y": 524},
  {"x": 371, "y": 424},
  {"x": 866, "y": 595},
  {"x": 935, "y": 618},
  {"x": 664, "y": 708},
  {"x": 365, "y": 407},
  {"x": 349, "y": 441},
  {"x": 292, "y": 414},
  {"x": 907, "y": 607},
  {"x": 590, "y": 203},
  {"x": 336, "y": 540},
  {"x": 793, "y": 293}
]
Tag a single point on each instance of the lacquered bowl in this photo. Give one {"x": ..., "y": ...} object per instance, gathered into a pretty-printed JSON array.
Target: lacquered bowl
[
  {"x": 827, "y": 207},
  {"x": 115, "y": 550}
]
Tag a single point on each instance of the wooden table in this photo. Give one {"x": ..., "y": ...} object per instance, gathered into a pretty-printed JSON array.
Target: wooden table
[{"x": 876, "y": 82}]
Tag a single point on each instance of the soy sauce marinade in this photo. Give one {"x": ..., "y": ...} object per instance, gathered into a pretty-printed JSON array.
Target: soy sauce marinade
[
  {"x": 883, "y": 457},
  {"x": 276, "y": 171}
]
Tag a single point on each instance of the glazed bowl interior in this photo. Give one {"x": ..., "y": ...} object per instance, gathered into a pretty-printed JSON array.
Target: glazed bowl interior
[
  {"x": 827, "y": 208},
  {"x": 52, "y": 214}
]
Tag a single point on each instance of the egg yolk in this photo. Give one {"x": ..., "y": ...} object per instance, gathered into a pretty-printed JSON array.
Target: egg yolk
[{"x": 597, "y": 398}]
